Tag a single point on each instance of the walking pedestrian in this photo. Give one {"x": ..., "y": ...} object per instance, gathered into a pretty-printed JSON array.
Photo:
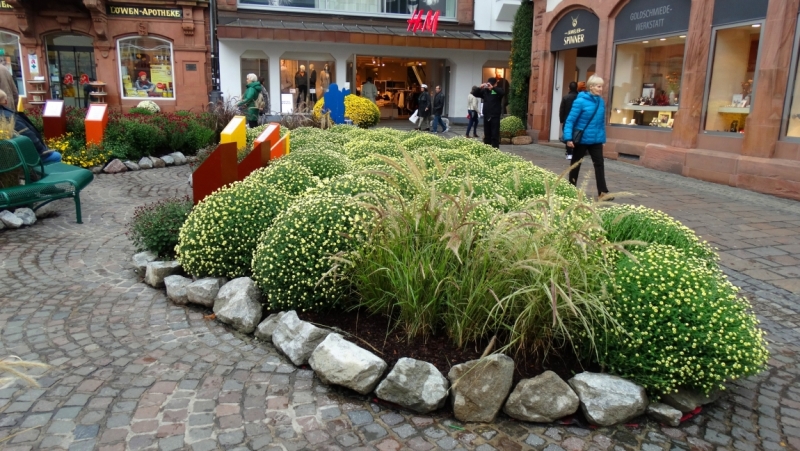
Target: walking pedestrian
[
  {"x": 472, "y": 109},
  {"x": 369, "y": 90},
  {"x": 564, "y": 109},
  {"x": 424, "y": 105},
  {"x": 249, "y": 101},
  {"x": 492, "y": 96},
  {"x": 585, "y": 132},
  {"x": 438, "y": 110},
  {"x": 8, "y": 83}
]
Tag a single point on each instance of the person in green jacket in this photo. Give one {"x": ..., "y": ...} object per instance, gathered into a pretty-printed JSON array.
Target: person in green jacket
[{"x": 249, "y": 100}]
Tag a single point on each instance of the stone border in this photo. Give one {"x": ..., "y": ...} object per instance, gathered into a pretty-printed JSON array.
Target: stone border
[
  {"x": 116, "y": 165},
  {"x": 476, "y": 391}
]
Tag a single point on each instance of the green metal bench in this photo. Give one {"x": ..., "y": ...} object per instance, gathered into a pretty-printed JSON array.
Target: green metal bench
[{"x": 56, "y": 181}]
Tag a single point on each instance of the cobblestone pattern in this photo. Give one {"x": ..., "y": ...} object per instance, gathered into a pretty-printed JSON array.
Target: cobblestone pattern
[{"x": 132, "y": 371}]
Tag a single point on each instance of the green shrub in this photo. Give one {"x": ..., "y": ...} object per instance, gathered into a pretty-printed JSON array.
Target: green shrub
[
  {"x": 295, "y": 252},
  {"x": 364, "y": 147},
  {"x": 222, "y": 232},
  {"x": 520, "y": 60},
  {"x": 681, "y": 325},
  {"x": 142, "y": 111},
  {"x": 510, "y": 126},
  {"x": 625, "y": 222},
  {"x": 323, "y": 163},
  {"x": 155, "y": 227}
]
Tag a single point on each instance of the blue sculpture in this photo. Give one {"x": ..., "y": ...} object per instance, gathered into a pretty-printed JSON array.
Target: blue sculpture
[{"x": 334, "y": 101}]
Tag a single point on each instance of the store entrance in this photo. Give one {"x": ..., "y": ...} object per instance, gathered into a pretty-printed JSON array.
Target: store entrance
[
  {"x": 398, "y": 81},
  {"x": 571, "y": 65},
  {"x": 70, "y": 60}
]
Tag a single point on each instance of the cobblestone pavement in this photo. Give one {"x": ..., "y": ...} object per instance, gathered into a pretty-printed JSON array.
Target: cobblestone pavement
[{"x": 132, "y": 371}]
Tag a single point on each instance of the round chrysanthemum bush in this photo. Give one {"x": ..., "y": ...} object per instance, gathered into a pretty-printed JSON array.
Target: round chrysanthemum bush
[
  {"x": 295, "y": 252},
  {"x": 289, "y": 175},
  {"x": 323, "y": 163},
  {"x": 220, "y": 235},
  {"x": 361, "y": 111},
  {"x": 386, "y": 134},
  {"x": 526, "y": 180},
  {"x": 682, "y": 324},
  {"x": 474, "y": 147},
  {"x": 305, "y": 137},
  {"x": 510, "y": 126},
  {"x": 625, "y": 222},
  {"x": 149, "y": 105},
  {"x": 495, "y": 194},
  {"x": 372, "y": 189},
  {"x": 383, "y": 172},
  {"x": 424, "y": 140},
  {"x": 365, "y": 147},
  {"x": 497, "y": 158}
]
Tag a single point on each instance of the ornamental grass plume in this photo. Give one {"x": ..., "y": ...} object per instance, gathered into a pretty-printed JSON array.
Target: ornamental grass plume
[{"x": 14, "y": 368}]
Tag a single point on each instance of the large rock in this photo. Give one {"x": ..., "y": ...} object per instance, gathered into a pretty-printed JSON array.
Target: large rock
[
  {"x": 146, "y": 163},
  {"x": 297, "y": 339},
  {"x": 687, "y": 400},
  {"x": 415, "y": 385},
  {"x": 10, "y": 220},
  {"x": 543, "y": 399},
  {"x": 97, "y": 169},
  {"x": 607, "y": 400},
  {"x": 158, "y": 162},
  {"x": 156, "y": 272},
  {"x": 115, "y": 166},
  {"x": 665, "y": 414},
  {"x": 521, "y": 140},
  {"x": 336, "y": 361},
  {"x": 204, "y": 291},
  {"x": 238, "y": 303},
  {"x": 176, "y": 289},
  {"x": 131, "y": 165},
  {"x": 27, "y": 215},
  {"x": 178, "y": 157},
  {"x": 479, "y": 387},
  {"x": 141, "y": 260},
  {"x": 267, "y": 327},
  {"x": 168, "y": 160}
]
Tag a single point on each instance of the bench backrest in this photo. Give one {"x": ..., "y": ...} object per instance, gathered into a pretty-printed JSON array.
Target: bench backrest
[
  {"x": 9, "y": 158},
  {"x": 25, "y": 152}
]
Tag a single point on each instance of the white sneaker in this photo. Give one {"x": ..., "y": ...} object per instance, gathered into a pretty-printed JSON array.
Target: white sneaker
[{"x": 446, "y": 130}]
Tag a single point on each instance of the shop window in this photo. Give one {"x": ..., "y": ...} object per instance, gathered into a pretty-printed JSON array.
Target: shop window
[
  {"x": 793, "y": 124},
  {"x": 729, "y": 95},
  {"x": 255, "y": 62},
  {"x": 647, "y": 81},
  {"x": 446, "y": 8},
  {"x": 304, "y": 81},
  {"x": 11, "y": 55},
  {"x": 146, "y": 68}
]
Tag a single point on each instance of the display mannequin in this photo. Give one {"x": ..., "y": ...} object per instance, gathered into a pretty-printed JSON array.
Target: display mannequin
[
  {"x": 301, "y": 83},
  {"x": 286, "y": 79},
  {"x": 312, "y": 84},
  {"x": 324, "y": 79}
]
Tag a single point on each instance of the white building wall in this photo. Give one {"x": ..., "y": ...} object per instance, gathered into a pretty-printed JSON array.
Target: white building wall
[
  {"x": 465, "y": 65},
  {"x": 495, "y": 15},
  {"x": 551, "y": 4}
]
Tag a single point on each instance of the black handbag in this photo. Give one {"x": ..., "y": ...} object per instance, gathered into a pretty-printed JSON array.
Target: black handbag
[{"x": 578, "y": 135}]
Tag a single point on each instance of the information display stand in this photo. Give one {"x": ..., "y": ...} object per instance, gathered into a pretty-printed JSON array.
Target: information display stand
[
  {"x": 54, "y": 117},
  {"x": 96, "y": 122}
]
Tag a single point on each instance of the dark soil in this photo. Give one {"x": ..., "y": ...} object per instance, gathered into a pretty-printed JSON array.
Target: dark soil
[{"x": 374, "y": 333}]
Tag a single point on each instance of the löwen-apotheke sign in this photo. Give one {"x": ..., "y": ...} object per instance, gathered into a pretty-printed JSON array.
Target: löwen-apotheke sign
[
  {"x": 577, "y": 29},
  {"x": 645, "y": 18},
  {"x": 4, "y": 5},
  {"x": 143, "y": 11}
]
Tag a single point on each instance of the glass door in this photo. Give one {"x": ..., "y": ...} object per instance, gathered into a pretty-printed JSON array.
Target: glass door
[{"x": 71, "y": 61}]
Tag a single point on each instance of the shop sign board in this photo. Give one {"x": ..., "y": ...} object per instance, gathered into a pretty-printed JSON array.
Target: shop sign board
[
  {"x": 429, "y": 23},
  {"x": 645, "y": 18},
  {"x": 141, "y": 11},
  {"x": 578, "y": 28},
  {"x": 286, "y": 103},
  {"x": 732, "y": 11},
  {"x": 4, "y": 5}
]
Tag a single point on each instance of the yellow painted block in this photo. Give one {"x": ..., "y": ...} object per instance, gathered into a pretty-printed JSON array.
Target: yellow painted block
[
  {"x": 288, "y": 137},
  {"x": 235, "y": 132},
  {"x": 20, "y": 106}
]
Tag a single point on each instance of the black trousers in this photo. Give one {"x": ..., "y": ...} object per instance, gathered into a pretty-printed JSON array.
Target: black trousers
[
  {"x": 596, "y": 152},
  {"x": 302, "y": 92},
  {"x": 491, "y": 131}
]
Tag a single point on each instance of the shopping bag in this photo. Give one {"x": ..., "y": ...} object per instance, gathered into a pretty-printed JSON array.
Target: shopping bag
[{"x": 414, "y": 116}]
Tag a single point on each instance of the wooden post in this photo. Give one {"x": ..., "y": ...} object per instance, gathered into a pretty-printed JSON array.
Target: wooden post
[
  {"x": 96, "y": 122},
  {"x": 54, "y": 118},
  {"x": 218, "y": 170}
]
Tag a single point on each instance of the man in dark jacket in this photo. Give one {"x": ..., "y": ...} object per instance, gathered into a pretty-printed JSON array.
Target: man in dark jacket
[
  {"x": 564, "y": 109},
  {"x": 24, "y": 127},
  {"x": 424, "y": 105},
  {"x": 492, "y": 96},
  {"x": 438, "y": 111}
]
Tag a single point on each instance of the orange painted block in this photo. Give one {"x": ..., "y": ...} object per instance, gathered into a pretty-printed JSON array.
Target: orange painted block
[
  {"x": 280, "y": 148},
  {"x": 271, "y": 134},
  {"x": 218, "y": 170},
  {"x": 96, "y": 121}
]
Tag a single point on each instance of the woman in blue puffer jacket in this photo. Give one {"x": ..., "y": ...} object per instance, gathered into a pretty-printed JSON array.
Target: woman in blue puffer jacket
[{"x": 588, "y": 114}]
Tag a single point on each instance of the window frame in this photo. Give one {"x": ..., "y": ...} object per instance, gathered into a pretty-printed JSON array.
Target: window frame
[
  {"x": 24, "y": 91},
  {"x": 614, "y": 73},
  {"x": 787, "y": 104},
  {"x": 707, "y": 86},
  {"x": 172, "y": 62},
  {"x": 296, "y": 9}
]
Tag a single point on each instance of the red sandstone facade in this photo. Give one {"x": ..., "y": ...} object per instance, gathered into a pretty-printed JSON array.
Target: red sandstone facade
[
  {"x": 181, "y": 23},
  {"x": 761, "y": 159}
]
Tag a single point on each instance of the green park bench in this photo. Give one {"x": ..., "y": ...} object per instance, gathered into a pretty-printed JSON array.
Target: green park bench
[{"x": 44, "y": 183}]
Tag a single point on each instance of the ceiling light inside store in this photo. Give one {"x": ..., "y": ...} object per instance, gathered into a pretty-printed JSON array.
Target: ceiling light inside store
[
  {"x": 683, "y": 36},
  {"x": 645, "y": 42},
  {"x": 663, "y": 39},
  {"x": 756, "y": 25}
]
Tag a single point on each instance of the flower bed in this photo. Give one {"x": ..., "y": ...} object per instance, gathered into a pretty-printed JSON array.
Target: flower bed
[{"x": 458, "y": 241}]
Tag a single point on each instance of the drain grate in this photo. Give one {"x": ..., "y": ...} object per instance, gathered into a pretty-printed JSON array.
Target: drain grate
[{"x": 628, "y": 156}]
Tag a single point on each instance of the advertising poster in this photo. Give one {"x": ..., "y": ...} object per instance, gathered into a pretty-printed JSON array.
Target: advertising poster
[
  {"x": 161, "y": 76},
  {"x": 33, "y": 64}
]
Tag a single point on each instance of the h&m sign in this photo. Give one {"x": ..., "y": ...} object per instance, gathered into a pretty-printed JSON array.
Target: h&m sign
[
  {"x": 430, "y": 23},
  {"x": 140, "y": 11},
  {"x": 578, "y": 28}
]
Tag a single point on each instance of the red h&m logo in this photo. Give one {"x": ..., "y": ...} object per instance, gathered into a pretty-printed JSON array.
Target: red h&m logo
[{"x": 431, "y": 22}]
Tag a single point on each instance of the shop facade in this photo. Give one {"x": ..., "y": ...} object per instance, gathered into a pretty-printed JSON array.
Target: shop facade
[
  {"x": 709, "y": 89},
  {"x": 141, "y": 51},
  {"x": 300, "y": 50}
]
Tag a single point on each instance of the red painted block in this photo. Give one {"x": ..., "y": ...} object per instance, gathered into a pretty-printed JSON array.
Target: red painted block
[{"x": 218, "y": 170}]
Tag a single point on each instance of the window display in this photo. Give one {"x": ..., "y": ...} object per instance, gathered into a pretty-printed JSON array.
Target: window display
[
  {"x": 255, "y": 62},
  {"x": 647, "y": 82},
  {"x": 146, "y": 68},
  {"x": 307, "y": 80},
  {"x": 732, "y": 73},
  {"x": 446, "y": 8},
  {"x": 9, "y": 46}
]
